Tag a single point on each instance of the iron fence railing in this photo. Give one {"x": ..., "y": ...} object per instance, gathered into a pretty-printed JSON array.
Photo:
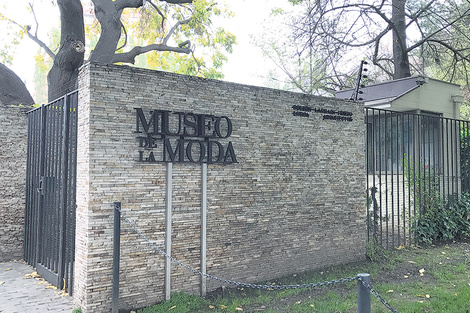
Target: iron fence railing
[
  {"x": 413, "y": 161},
  {"x": 50, "y": 190}
]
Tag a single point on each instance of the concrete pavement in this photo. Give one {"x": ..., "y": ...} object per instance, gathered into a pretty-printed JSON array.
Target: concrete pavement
[{"x": 23, "y": 292}]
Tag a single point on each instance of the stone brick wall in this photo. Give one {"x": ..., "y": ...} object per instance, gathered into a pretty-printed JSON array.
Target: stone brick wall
[
  {"x": 13, "y": 137},
  {"x": 293, "y": 202}
]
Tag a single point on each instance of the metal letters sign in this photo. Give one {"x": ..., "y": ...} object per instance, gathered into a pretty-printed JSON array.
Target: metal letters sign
[{"x": 181, "y": 137}]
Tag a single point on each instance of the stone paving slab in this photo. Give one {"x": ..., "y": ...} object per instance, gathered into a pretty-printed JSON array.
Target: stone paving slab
[{"x": 29, "y": 295}]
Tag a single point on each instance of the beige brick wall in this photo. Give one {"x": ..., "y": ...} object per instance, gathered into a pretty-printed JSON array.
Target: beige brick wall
[
  {"x": 294, "y": 202},
  {"x": 13, "y": 137}
]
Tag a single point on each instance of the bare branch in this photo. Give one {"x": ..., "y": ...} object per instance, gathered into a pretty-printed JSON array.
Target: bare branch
[
  {"x": 159, "y": 13},
  {"x": 129, "y": 57},
  {"x": 125, "y": 37},
  {"x": 428, "y": 37},
  {"x": 34, "y": 37},
  {"x": 173, "y": 29}
]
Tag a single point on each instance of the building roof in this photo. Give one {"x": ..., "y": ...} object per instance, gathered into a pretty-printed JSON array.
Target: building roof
[
  {"x": 411, "y": 94},
  {"x": 385, "y": 92}
]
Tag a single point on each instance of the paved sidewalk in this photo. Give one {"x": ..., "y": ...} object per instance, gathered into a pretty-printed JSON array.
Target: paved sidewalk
[{"x": 21, "y": 292}]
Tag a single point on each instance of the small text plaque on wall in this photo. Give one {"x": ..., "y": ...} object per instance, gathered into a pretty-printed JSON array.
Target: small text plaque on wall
[{"x": 181, "y": 137}]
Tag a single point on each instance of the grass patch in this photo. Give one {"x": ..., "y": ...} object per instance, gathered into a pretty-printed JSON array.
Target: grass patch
[{"x": 435, "y": 279}]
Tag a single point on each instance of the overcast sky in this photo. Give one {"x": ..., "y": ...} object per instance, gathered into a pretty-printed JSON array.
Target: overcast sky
[{"x": 246, "y": 65}]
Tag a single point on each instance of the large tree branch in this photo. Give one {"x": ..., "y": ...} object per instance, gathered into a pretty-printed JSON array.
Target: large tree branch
[
  {"x": 122, "y": 4},
  {"x": 129, "y": 57},
  {"x": 178, "y": 1},
  {"x": 456, "y": 52}
]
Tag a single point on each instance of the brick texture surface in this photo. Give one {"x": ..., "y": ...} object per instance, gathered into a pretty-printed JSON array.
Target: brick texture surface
[
  {"x": 294, "y": 202},
  {"x": 13, "y": 136}
]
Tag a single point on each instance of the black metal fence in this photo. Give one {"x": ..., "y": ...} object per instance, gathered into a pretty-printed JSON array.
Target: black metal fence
[
  {"x": 50, "y": 190},
  {"x": 414, "y": 162}
]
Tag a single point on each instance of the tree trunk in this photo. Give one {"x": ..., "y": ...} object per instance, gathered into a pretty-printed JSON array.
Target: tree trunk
[
  {"x": 109, "y": 16},
  {"x": 63, "y": 76},
  {"x": 12, "y": 89},
  {"x": 400, "y": 54}
]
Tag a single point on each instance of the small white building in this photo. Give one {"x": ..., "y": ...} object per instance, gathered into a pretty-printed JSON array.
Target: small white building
[
  {"x": 413, "y": 150},
  {"x": 416, "y": 94}
]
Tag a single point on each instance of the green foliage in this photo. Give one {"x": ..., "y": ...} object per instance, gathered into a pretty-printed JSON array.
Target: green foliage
[
  {"x": 210, "y": 44},
  {"x": 12, "y": 34},
  {"x": 424, "y": 185},
  {"x": 77, "y": 310},
  {"x": 436, "y": 219},
  {"x": 373, "y": 250},
  {"x": 441, "y": 224}
]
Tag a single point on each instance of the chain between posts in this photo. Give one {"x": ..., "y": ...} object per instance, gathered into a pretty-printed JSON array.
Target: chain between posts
[
  {"x": 376, "y": 294},
  {"x": 247, "y": 285}
]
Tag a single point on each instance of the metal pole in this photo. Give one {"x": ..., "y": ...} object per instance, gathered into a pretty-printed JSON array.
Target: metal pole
[
  {"x": 203, "y": 228},
  {"x": 116, "y": 250},
  {"x": 363, "y": 294},
  {"x": 169, "y": 183}
]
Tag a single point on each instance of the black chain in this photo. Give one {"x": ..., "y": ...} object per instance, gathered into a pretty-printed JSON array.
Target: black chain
[
  {"x": 255, "y": 286},
  {"x": 376, "y": 294},
  {"x": 227, "y": 281}
]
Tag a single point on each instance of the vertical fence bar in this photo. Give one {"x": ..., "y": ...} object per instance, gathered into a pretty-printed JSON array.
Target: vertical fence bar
[
  {"x": 116, "y": 256},
  {"x": 363, "y": 294},
  {"x": 369, "y": 170},
  {"x": 169, "y": 186},
  {"x": 203, "y": 228},
  {"x": 63, "y": 193},
  {"x": 381, "y": 157}
]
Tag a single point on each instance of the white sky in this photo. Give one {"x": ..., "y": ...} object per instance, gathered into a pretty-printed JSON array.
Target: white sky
[{"x": 246, "y": 65}]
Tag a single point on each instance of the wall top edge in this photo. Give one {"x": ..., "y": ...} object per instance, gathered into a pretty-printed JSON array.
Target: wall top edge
[{"x": 95, "y": 66}]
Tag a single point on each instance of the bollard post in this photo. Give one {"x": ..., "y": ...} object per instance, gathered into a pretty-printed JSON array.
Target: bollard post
[
  {"x": 363, "y": 294},
  {"x": 116, "y": 256}
]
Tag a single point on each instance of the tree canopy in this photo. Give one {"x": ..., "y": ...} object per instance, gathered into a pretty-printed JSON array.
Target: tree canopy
[
  {"x": 174, "y": 35},
  {"x": 400, "y": 37}
]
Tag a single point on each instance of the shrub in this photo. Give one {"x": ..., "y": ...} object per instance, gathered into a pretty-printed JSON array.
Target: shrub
[{"x": 442, "y": 223}]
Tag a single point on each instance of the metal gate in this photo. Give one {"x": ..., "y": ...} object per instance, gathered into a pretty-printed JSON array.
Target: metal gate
[
  {"x": 413, "y": 162},
  {"x": 50, "y": 190}
]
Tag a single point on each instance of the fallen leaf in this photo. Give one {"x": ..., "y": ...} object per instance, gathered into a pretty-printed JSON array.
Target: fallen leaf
[
  {"x": 420, "y": 301},
  {"x": 32, "y": 275},
  {"x": 239, "y": 309},
  {"x": 298, "y": 302},
  {"x": 51, "y": 287},
  {"x": 8, "y": 269},
  {"x": 400, "y": 247},
  {"x": 2, "y": 282},
  {"x": 421, "y": 271},
  {"x": 443, "y": 252},
  {"x": 390, "y": 291},
  {"x": 406, "y": 276},
  {"x": 211, "y": 307},
  {"x": 223, "y": 306},
  {"x": 312, "y": 305},
  {"x": 428, "y": 296},
  {"x": 412, "y": 262},
  {"x": 172, "y": 307}
]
